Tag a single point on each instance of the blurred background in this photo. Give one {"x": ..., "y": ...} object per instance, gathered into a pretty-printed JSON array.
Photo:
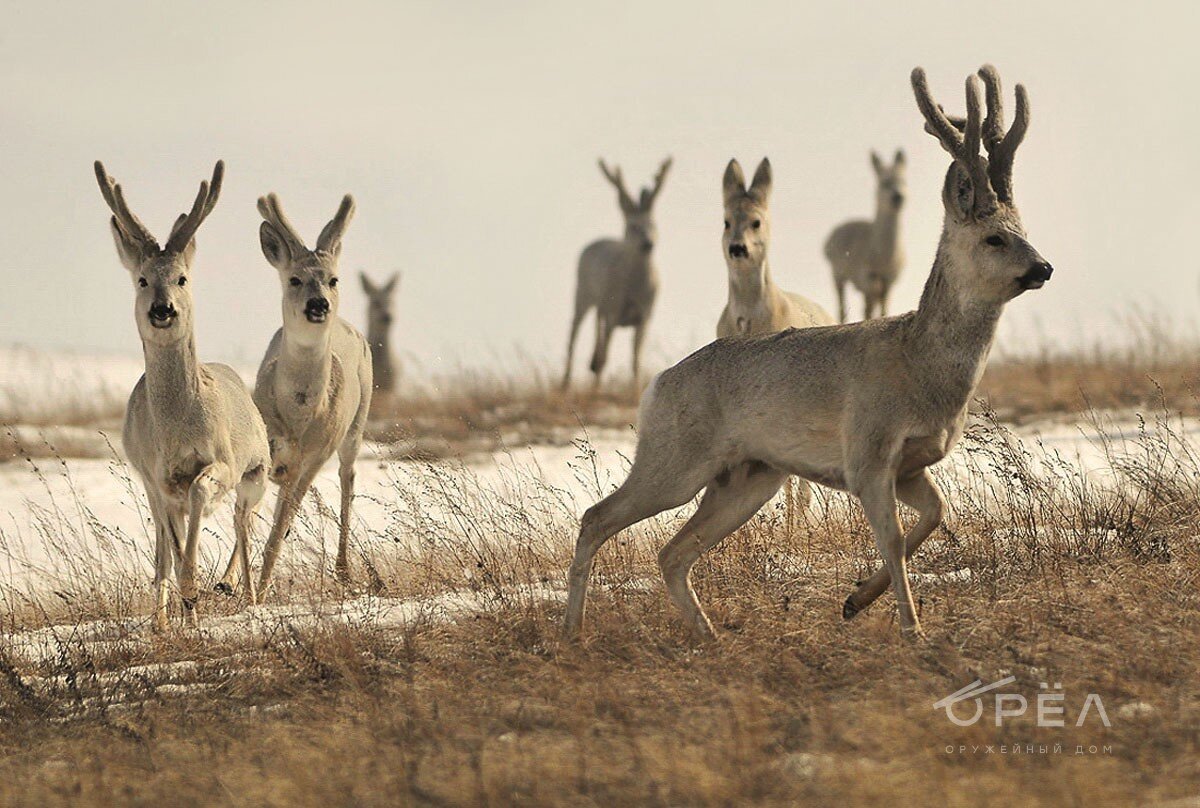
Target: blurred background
[{"x": 469, "y": 132}]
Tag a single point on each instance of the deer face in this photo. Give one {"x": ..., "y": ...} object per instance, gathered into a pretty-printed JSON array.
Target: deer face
[
  {"x": 308, "y": 278},
  {"x": 379, "y": 303},
  {"x": 890, "y": 182},
  {"x": 639, "y": 226},
  {"x": 991, "y": 256},
  {"x": 163, "y": 298},
  {"x": 747, "y": 223}
]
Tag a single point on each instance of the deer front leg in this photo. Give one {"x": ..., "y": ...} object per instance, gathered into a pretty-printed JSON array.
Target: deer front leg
[
  {"x": 346, "y": 478},
  {"x": 841, "y": 296},
  {"x": 204, "y": 488},
  {"x": 877, "y": 492},
  {"x": 600, "y": 352},
  {"x": 164, "y": 556},
  {"x": 580, "y": 311},
  {"x": 921, "y": 494},
  {"x": 290, "y": 495},
  {"x": 639, "y": 337}
]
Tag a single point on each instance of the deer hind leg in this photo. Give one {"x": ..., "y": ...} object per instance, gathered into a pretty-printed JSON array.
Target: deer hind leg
[
  {"x": 346, "y": 479},
  {"x": 250, "y": 492},
  {"x": 878, "y": 496},
  {"x": 203, "y": 489},
  {"x": 645, "y": 493},
  {"x": 730, "y": 500},
  {"x": 576, "y": 320},
  {"x": 600, "y": 353},
  {"x": 921, "y": 494}
]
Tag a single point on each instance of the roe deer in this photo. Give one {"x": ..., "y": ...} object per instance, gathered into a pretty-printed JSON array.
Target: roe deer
[
  {"x": 869, "y": 254},
  {"x": 380, "y": 300},
  {"x": 314, "y": 383},
  {"x": 617, "y": 278},
  {"x": 191, "y": 432},
  {"x": 865, "y": 407}
]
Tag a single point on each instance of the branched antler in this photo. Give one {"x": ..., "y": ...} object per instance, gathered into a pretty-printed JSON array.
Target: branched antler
[
  {"x": 206, "y": 199},
  {"x": 963, "y": 142},
  {"x": 618, "y": 182},
  {"x": 124, "y": 218},
  {"x": 651, "y": 193},
  {"x": 272, "y": 211}
]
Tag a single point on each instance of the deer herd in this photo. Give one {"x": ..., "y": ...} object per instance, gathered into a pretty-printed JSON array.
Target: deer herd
[{"x": 865, "y": 407}]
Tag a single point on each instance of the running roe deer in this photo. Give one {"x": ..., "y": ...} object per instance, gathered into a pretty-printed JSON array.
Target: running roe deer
[
  {"x": 618, "y": 278},
  {"x": 866, "y": 407},
  {"x": 380, "y": 302},
  {"x": 314, "y": 383},
  {"x": 192, "y": 432},
  {"x": 869, "y": 254}
]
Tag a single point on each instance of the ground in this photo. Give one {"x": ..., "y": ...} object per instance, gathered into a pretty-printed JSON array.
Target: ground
[{"x": 1069, "y": 561}]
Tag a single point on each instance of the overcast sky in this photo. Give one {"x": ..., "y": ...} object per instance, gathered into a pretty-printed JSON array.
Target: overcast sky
[{"x": 469, "y": 132}]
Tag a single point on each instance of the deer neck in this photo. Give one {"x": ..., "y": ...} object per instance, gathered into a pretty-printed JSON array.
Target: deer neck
[
  {"x": 751, "y": 291},
  {"x": 306, "y": 360},
  {"x": 952, "y": 332},
  {"x": 885, "y": 231},
  {"x": 379, "y": 338},
  {"x": 172, "y": 377}
]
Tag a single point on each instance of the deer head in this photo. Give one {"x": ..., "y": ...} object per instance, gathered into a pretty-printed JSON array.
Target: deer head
[
  {"x": 747, "y": 218},
  {"x": 989, "y": 256},
  {"x": 639, "y": 215},
  {"x": 889, "y": 189},
  {"x": 379, "y": 302},
  {"x": 161, "y": 275},
  {"x": 309, "y": 277}
]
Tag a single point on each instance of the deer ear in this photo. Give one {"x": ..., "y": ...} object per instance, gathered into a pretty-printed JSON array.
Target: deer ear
[
  {"x": 876, "y": 163},
  {"x": 273, "y": 246},
  {"x": 392, "y": 283},
  {"x": 898, "y": 160},
  {"x": 734, "y": 182},
  {"x": 129, "y": 251},
  {"x": 366, "y": 283},
  {"x": 958, "y": 194},
  {"x": 760, "y": 187}
]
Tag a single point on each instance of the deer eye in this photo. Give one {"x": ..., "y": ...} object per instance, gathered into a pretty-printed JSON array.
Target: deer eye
[
  {"x": 994, "y": 241},
  {"x": 294, "y": 281},
  {"x": 333, "y": 281},
  {"x": 142, "y": 283},
  {"x": 757, "y": 223},
  {"x": 182, "y": 280}
]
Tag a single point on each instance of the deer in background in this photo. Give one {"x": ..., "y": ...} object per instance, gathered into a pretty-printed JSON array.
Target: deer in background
[
  {"x": 866, "y": 407},
  {"x": 869, "y": 254},
  {"x": 617, "y": 278},
  {"x": 314, "y": 384},
  {"x": 192, "y": 432},
  {"x": 756, "y": 305},
  {"x": 380, "y": 299}
]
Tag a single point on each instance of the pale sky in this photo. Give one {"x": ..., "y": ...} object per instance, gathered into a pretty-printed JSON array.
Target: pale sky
[{"x": 468, "y": 134}]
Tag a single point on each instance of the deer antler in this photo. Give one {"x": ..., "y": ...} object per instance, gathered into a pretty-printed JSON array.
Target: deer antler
[
  {"x": 659, "y": 177},
  {"x": 206, "y": 199},
  {"x": 961, "y": 143},
  {"x": 272, "y": 211},
  {"x": 618, "y": 182},
  {"x": 1001, "y": 146},
  {"x": 130, "y": 224},
  {"x": 331, "y": 234}
]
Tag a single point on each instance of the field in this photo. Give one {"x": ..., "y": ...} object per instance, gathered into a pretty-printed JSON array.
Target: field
[{"x": 1069, "y": 561}]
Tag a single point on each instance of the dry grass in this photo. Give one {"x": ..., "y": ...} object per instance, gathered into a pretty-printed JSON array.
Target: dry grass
[{"x": 1074, "y": 580}]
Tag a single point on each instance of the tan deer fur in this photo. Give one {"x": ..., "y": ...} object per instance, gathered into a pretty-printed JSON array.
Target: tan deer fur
[
  {"x": 865, "y": 407},
  {"x": 191, "y": 433},
  {"x": 381, "y": 299}
]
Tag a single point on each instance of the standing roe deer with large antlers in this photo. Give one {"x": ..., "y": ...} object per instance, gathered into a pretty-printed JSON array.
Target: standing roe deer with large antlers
[
  {"x": 191, "y": 432},
  {"x": 618, "y": 278},
  {"x": 866, "y": 407},
  {"x": 869, "y": 255},
  {"x": 314, "y": 384}
]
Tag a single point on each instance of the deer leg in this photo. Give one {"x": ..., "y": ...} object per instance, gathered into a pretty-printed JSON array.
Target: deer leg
[
  {"x": 639, "y": 336},
  {"x": 250, "y": 492},
  {"x": 726, "y": 506},
  {"x": 203, "y": 489},
  {"x": 921, "y": 494},
  {"x": 600, "y": 353},
  {"x": 868, "y": 305},
  {"x": 883, "y": 302},
  {"x": 840, "y": 284},
  {"x": 877, "y": 492},
  {"x": 164, "y": 556},
  {"x": 286, "y": 507},
  {"x": 641, "y": 496},
  {"x": 576, "y": 320},
  {"x": 346, "y": 478}
]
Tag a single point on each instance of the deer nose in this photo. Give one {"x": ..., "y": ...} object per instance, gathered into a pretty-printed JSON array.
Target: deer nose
[
  {"x": 1041, "y": 271},
  {"x": 317, "y": 305},
  {"x": 162, "y": 311},
  {"x": 897, "y": 199},
  {"x": 738, "y": 250}
]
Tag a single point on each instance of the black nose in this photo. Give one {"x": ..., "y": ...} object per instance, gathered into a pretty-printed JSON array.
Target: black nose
[
  {"x": 739, "y": 251},
  {"x": 1040, "y": 271},
  {"x": 648, "y": 245},
  {"x": 897, "y": 199},
  {"x": 317, "y": 305},
  {"x": 162, "y": 311}
]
